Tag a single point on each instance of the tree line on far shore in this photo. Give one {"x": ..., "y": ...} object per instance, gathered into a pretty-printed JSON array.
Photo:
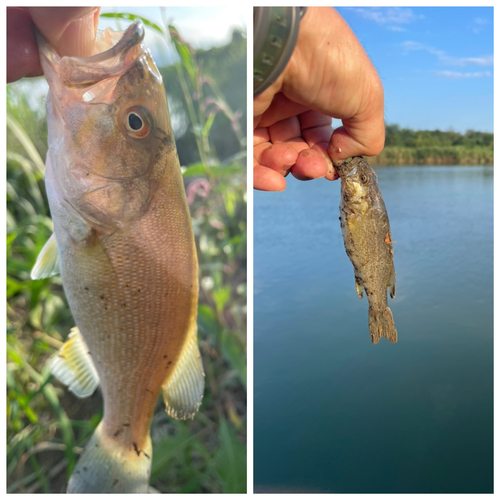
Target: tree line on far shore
[{"x": 404, "y": 146}]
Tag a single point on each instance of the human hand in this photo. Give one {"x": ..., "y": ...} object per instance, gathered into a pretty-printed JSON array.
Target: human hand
[
  {"x": 70, "y": 30},
  {"x": 329, "y": 75}
]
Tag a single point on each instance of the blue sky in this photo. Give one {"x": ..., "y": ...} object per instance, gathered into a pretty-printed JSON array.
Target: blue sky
[{"x": 436, "y": 63}]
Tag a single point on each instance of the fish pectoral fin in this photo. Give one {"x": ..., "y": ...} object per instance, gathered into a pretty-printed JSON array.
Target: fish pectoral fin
[
  {"x": 73, "y": 366},
  {"x": 47, "y": 262},
  {"x": 183, "y": 390},
  {"x": 392, "y": 284},
  {"x": 359, "y": 287}
]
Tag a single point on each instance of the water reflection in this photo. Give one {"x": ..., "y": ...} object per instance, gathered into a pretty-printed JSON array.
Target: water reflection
[{"x": 334, "y": 413}]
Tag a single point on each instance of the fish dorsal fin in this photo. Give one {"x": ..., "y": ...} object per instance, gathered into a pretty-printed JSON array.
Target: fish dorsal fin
[
  {"x": 47, "y": 262},
  {"x": 73, "y": 366},
  {"x": 183, "y": 390}
]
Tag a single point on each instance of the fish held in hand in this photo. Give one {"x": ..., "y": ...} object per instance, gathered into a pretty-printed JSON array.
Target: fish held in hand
[
  {"x": 125, "y": 249},
  {"x": 368, "y": 243}
]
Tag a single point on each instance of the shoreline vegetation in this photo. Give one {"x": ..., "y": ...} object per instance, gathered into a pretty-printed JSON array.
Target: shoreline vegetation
[{"x": 405, "y": 146}]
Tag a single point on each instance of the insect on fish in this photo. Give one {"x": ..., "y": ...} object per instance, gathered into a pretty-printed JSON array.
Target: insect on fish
[
  {"x": 368, "y": 243},
  {"x": 125, "y": 248}
]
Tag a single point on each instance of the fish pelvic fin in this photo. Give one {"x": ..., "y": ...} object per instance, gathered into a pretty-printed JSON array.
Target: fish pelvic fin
[
  {"x": 47, "y": 262},
  {"x": 105, "y": 466},
  {"x": 183, "y": 390},
  {"x": 73, "y": 366},
  {"x": 381, "y": 324}
]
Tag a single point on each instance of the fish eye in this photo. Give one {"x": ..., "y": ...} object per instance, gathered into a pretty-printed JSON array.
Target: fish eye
[
  {"x": 363, "y": 178},
  {"x": 135, "y": 121},
  {"x": 138, "y": 122}
]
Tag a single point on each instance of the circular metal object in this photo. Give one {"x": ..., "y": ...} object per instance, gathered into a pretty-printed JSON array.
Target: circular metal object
[{"x": 275, "y": 34}]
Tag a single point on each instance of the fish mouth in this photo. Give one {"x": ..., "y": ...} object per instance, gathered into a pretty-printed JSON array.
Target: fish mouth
[
  {"x": 349, "y": 167},
  {"x": 115, "y": 52}
]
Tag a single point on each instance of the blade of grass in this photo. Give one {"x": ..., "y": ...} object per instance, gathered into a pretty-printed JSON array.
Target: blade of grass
[
  {"x": 132, "y": 17},
  {"x": 29, "y": 147},
  {"x": 51, "y": 396}
]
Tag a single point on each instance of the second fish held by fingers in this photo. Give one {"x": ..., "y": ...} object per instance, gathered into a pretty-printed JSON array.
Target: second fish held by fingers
[{"x": 368, "y": 243}]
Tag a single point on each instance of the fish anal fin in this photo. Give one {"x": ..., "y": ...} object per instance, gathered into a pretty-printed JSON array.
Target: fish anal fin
[
  {"x": 183, "y": 389},
  {"x": 73, "y": 366},
  {"x": 47, "y": 262}
]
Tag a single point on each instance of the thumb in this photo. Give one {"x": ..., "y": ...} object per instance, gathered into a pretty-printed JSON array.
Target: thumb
[
  {"x": 70, "y": 30},
  {"x": 363, "y": 134}
]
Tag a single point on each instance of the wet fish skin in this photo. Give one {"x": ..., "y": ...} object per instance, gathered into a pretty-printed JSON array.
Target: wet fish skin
[
  {"x": 126, "y": 249},
  {"x": 368, "y": 243}
]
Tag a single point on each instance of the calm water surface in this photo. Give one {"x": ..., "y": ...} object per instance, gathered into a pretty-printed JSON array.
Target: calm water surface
[{"x": 334, "y": 413}]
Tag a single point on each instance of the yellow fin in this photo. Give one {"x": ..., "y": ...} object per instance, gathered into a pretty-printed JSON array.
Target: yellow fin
[
  {"x": 47, "y": 262},
  {"x": 183, "y": 390},
  {"x": 73, "y": 366}
]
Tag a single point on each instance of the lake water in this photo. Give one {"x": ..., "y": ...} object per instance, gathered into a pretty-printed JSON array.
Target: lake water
[{"x": 334, "y": 413}]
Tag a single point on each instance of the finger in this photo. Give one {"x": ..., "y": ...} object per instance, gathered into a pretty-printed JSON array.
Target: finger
[
  {"x": 285, "y": 130},
  {"x": 266, "y": 179},
  {"x": 310, "y": 164},
  {"x": 280, "y": 109},
  {"x": 288, "y": 131},
  {"x": 279, "y": 157},
  {"x": 22, "y": 49},
  {"x": 364, "y": 133},
  {"x": 260, "y": 135},
  {"x": 69, "y": 30},
  {"x": 313, "y": 119},
  {"x": 264, "y": 100},
  {"x": 364, "y": 139},
  {"x": 318, "y": 138}
]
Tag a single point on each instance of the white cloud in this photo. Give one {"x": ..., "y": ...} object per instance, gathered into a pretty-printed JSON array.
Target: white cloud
[
  {"x": 479, "y": 24},
  {"x": 456, "y": 75},
  {"x": 410, "y": 45},
  {"x": 481, "y": 21},
  {"x": 463, "y": 61},
  {"x": 448, "y": 60},
  {"x": 391, "y": 17}
]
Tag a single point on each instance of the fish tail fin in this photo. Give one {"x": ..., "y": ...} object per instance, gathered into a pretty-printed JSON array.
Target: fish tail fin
[
  {"x": 381, "y": 324},
  {"x": 106, "y": 466}
]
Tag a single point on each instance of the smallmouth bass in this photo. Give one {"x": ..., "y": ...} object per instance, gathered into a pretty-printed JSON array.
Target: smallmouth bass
[
  {"x": 368, "y": 243},
  {"x": 125, "y": 249}
]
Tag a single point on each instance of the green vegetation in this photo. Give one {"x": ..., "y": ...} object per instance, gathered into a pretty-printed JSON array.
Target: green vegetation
[
  {"x": 46, "y": 425},
  {"x": 434, "y": 147}
]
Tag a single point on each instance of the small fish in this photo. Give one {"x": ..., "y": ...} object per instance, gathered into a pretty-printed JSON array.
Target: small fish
[
  {"x": 125, "y": 249},
  {"x": 368, "y": 243}
]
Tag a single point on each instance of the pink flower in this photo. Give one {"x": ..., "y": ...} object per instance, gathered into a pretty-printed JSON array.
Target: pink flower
[{"x": 199, "y": 187}]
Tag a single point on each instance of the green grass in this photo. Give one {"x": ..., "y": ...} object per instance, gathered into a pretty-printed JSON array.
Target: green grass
[{"x": 46, "y": 426}]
